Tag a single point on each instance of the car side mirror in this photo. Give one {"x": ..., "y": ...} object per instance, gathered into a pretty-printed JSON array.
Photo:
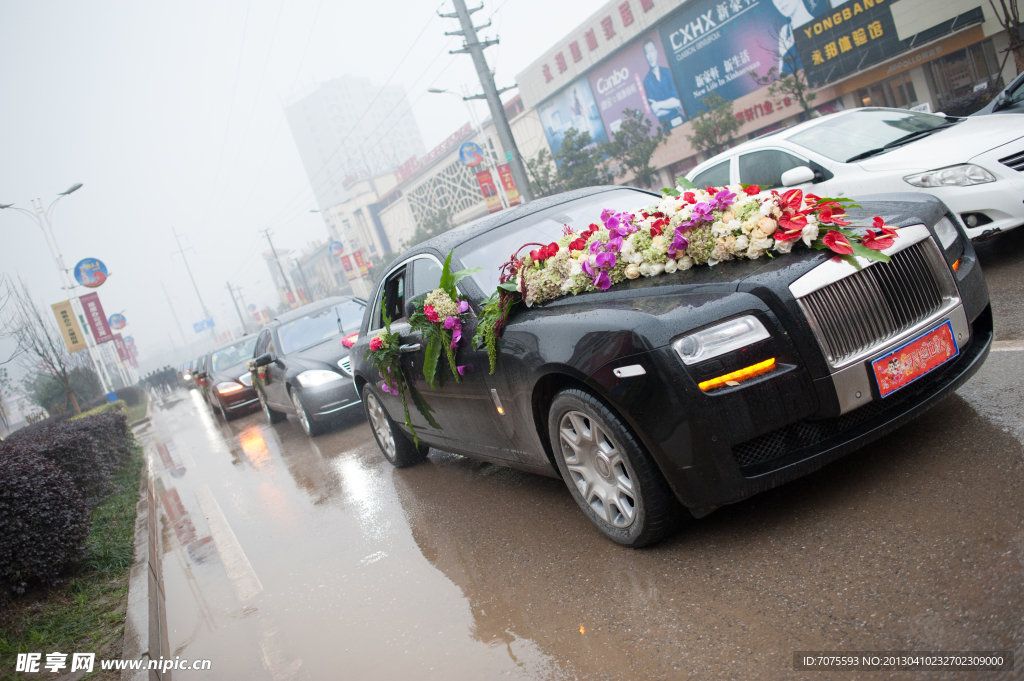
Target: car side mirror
[
  {"x": 1002, "y": 101},
  {"x": 264, "y": 360},
  {"x": 798, "y": 175}
]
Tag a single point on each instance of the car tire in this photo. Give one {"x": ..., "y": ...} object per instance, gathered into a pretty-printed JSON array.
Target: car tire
[
  {"x": 609, "y": 472},
  {"x": 273, "y": 416},
  {"x": 310, "y": 426},
  {"x": 395, "y": 445}
]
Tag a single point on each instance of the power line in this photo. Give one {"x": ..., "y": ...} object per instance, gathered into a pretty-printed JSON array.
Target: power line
[{"x": 177, "y": 238}]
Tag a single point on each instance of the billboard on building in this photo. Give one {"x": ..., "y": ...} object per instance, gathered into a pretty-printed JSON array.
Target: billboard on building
[
  {"x": 574, "y": 107},
  {"x": 490, "y": 192},
  {"x": 714, "y": 46},
  {"x": 637, "y": 77}
]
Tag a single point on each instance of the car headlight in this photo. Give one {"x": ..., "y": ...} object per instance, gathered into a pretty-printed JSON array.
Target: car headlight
[
  {"x": 246, "y": 379},
  {"x": 228, "y": 387},
  {"x": 720, "y": 339},
  {"x": 954, "y": 176},
  {"x": 946, "y": 231},
  {"x": 309, "y": 379}
]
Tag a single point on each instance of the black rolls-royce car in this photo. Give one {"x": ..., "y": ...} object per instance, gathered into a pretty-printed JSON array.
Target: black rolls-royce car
[
  {"x": 228, "y": 381},
  {"x": 697, "y": 388},
  {"x": 304, "y": 355}
]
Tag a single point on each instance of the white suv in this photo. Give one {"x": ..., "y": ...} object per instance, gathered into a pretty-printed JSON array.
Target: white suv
[{"x": 974, "y": 165}]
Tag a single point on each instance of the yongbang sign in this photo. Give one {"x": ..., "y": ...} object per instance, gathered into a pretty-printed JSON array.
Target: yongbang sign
[
  {"x": 90, "y": 272},
  {"x": 95, "y": 318}
]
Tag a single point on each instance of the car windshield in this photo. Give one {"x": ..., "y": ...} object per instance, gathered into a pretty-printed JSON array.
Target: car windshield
[
  {"x": 846, "y": 136},
  {"x": 320, "y": 325},
  {"x": 225, "y": 358},
  {"x": 494, "y": 248}
]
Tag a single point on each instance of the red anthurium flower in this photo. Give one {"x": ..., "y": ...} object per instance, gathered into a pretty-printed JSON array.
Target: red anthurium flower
[
  {"x": 790, "y": 222},
  {"x": 751, "y": 190},
  {"x": 837, "y": 242},
  {"x": 877, "y": 242},
  {"x": 886, "y": 229},
  {"x": 792, "y": 199},
  {"x": 830, "y": 215},
  {"x": 535, "y": 255}
]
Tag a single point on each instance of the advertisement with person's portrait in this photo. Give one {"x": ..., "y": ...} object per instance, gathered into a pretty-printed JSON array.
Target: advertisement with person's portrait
[
  {"x": 637, "y": 78},
  {"x": 573, "y": 107}
]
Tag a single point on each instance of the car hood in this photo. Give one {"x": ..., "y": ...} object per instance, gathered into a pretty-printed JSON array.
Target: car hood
[
  {"x": 959, "y": 144},
  {"x": 328, "y": 352},
  {"x": 231, "y": 373}
]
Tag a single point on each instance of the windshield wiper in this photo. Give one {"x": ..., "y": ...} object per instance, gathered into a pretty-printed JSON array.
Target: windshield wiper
[{"x": 900, "y": 141}]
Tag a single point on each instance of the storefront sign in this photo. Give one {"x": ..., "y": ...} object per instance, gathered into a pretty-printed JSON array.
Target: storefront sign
[
  {"x": 638, "y": 78},
  {"x": 69, "y": 328},
  {"x": 490, "y": 192},
  {"x": 350, "y": 270},
  {"x": 95, "y": 318},
  {"x": 713, "y": 46},
  {"x": 90, "y": 272},
  {"x": 508, "y": 184},
  {"x": 574, "y": 107}
]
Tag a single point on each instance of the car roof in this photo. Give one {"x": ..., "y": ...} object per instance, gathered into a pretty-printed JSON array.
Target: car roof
[
  {"x": 236, "y": 341},
  {"x": 301, "y": 312},
  {"x": 448, "y": 241}
]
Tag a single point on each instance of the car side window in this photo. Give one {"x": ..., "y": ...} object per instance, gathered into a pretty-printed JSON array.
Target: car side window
[
  {"x": 715, "y": 176},
  {"x": 394, "y": 298},
  {"x": 263, "y": 343},
  {"x": 764, "y": 168},
  {"x": 426, "y": 276}
]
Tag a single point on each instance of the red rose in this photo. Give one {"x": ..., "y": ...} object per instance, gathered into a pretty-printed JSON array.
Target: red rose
[
  {"x": 837, "y": 242},
  {"x": 656, "y": 230},
  {"x": 752, "y": 190},
  {"x": 712, "y": 190},
  {"x": 578, "y": 244},
  {"x": 431, "y": 314},
  {"x": 535, "y": 255},
  {"x": 689, "y": 197}
]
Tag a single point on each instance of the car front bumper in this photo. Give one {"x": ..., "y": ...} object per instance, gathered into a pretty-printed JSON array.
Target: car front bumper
[
  {"x": 1001, "y": 201},
  {"x": 239, "y": 400},
  {"x": 325, "y": 401}
]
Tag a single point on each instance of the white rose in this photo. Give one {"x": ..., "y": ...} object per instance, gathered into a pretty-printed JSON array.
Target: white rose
[
  {"x": 671, "y": 266},
  {"x": 658, "y": 243},
  {"x": 809, "y": 233},
  {"x": 645, "y": 269},
  {"x": 742, "y": 242},
  {"x": 783, "y": 246},
  {"x": 657, "y": 268},
  {"x": 685, "y": 262},
  {"x": 628, "y": 248},
  {"x": 761, "y": 243},
  {"x": 632, "y": 271},
  {"x": 766, "y": 208}
]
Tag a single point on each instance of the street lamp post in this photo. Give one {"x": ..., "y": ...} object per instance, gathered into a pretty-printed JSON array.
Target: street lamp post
[{"x": 41, "y": 216}]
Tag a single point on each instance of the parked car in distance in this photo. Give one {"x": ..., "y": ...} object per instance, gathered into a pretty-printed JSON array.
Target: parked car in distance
[
  {"x": 229, "y": 382},
  {"x": 974, "y": 165},
  {"x": 1010, "y": 100},
  {"x": 306, "y": 355},
  {"x": 604, "y": 389}
]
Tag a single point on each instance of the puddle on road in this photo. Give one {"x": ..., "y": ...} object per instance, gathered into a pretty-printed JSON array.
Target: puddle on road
[{"x": 458, "y": 569}]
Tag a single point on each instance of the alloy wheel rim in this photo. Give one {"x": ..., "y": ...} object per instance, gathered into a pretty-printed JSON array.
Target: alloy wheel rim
[
  {"x": 598, "y": 469},
  {"x": 303, "y": 419},
  {"x": 379, "y": 422}
]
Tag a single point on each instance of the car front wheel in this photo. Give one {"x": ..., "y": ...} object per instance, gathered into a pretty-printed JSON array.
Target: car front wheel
[
  {"x": 309, "y": 426},
  {"x": 609, "y": 472},
  {"x": 397, "y": 448},
  {"x": 273, "y": 416}
]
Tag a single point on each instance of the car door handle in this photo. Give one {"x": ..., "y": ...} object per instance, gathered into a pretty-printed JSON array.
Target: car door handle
[{"x": 410, "y": 347}]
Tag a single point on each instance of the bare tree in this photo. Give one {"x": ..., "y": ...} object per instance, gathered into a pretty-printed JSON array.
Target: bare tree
[
  {"x": 40, "y": 346},
  {"x": 1008, "y": 14}
]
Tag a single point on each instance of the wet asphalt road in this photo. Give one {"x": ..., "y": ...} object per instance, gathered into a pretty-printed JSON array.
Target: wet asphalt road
[{"x": 291, "y": 558}]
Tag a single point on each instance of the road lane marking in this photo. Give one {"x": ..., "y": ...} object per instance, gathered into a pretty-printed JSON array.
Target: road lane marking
[
  {"x": 1008, "y": 346},
  {"x": 240, "y": 572}
]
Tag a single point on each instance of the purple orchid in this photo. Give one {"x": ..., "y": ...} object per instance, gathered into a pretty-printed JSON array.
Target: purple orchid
[
  {"x": 615, "y": 243},
  {"x": 455, "y": 325},
  {"x": 465, "y": 369},
  {"x": 605, "y": 260},
  {"x": 463, "y": 306},
  {"x": 723, "y": 199},
  {"x": 603, "y": 281},
  {"x": 679, "y": 245},
  {"x": 386, "y": 385},
  {"x": 588, "y": 269}
]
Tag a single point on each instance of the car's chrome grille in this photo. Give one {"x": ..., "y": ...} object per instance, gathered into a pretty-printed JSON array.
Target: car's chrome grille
[
  {"x": 345, "y": 363},
  {"x": 1015, "y": 161},
  {"x": 874, "y": 305}
]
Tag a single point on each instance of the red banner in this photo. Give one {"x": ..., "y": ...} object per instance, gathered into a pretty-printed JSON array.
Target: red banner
[
  {"x": 122, "y": 349},
  {"x": 505, "y": 173},
  {"x": 915, "y": 359},
  {"x": 96, "y": 318},
  {"x": 490, "y": 192},
  {"x": 350, "y": 270},
  {"x": 364, "y": 269}
]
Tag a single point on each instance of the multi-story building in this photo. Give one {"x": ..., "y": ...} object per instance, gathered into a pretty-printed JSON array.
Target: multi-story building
[{"x": 347, "y": 127}]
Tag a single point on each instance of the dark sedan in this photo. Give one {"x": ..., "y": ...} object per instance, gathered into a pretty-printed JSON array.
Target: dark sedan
[
  {"x": 229, "y": 383},
  {"x": 304, "y": 356},
  {"x": 693, "y": 389}
]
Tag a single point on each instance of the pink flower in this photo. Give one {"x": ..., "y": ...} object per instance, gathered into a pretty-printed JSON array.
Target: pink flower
[
  {"x": 428, "y": 310},
  {"x": 455, "y": 325},
  {"x": 605, "y": 260},
  {"x": 603, "y": 281},
  {"x": 463, "y": 306},
  {"x": 376, "y": 344}
]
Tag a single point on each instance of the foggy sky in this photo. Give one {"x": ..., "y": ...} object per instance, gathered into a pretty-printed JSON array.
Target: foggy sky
[{"x": 172, "y": 115}]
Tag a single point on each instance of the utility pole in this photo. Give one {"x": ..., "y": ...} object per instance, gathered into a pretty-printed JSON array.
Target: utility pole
[
  {"x": 245, "y": 328},
  {"x": 238, "y": 290},
  {"x": 305, "y": 284},
  {"x": 476, "y": 48},
  {"x": 174, "y": 314},
  {"x": 278, "y": 261},
  {"x": 177, "y": 238}
]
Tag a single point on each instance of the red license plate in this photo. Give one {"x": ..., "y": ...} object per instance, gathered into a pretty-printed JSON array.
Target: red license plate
[{"x": 903, "y": 366}]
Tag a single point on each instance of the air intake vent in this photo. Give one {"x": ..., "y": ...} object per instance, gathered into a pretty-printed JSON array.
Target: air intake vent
[
  {"x": 345, "y": 364},
  {"x": 1016, "y": 161}
]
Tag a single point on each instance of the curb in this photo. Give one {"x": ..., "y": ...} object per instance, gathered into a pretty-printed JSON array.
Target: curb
[{"x": 145, "y": 624}]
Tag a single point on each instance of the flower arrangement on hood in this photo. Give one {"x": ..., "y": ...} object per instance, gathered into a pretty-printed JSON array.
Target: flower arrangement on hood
[
  {"x": 439, "y": 320},
  {"x": 688, "y": 227},
  {"x": 384, "y": 355}
]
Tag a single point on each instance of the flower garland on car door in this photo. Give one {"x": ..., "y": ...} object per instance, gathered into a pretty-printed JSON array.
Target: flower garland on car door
[
  {"x": 439, "y": 320},
  {"x": 385, "y": 356},
  {"x": 688, "y": 227}
]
